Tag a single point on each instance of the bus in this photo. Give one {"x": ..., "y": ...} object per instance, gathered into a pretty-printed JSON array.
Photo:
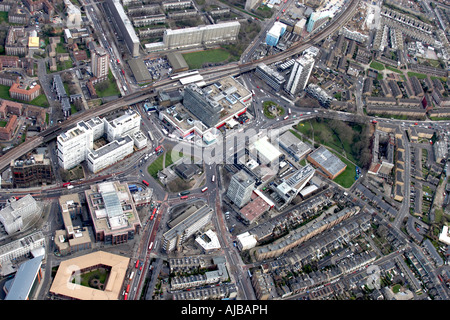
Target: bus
[
  {"x": 126, "y": 296},
  {"x": 150, "y": 246},
  {"x": 183, "y": 197},
  {"x": 123, "y": 72},
  {"x": 118, "y": 61},
  {"x": 131, "y": 275},
  {"x": 145, "y": 182},
  {"x": 213, "y": 178},
  {"x": 137, "y": 264},
  {"x": 124, "y": 88},
  {"x": 66, "y": 184},
  {"x": 253, "y": 92},
  {"x": 128, "y": 288},
  {"x": 150, "y": 135},
  {"x": 183, "y": 193},
  {"x": 204, "y": 189},
  {"x": 153, "y": 213},
  {"x": 158, "y": 148},
  {"x": 289, "y": 111}
]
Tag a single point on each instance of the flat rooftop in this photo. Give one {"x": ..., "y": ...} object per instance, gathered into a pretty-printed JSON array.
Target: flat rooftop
[{"x": 327, "y": 160}]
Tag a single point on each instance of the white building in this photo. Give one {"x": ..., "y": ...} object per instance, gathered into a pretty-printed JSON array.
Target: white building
[
  {"x": 201, "y": 35},
  {"x": 266, "y": 152},
  {"x": 16, "y": 211},
  {"x": 246, "y": 241},
  {"x": 240, "y": 188},
  {"x": 126, "y": 124},
  {"x": 300, "y": 74},
  {"x": 21, "y": 247},
  {"x": 109, "y": 154},
  {"x": 77, "y": 145},
  {"x": 444, "y": 236}
]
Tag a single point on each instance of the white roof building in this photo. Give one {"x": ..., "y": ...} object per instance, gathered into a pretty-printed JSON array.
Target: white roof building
[
  {"x": 443, "y": 236},
  {"x": 246, "y": 241},
  {"x": 267, "y": 152}
]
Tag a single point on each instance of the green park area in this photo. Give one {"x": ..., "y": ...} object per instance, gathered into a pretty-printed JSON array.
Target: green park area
[
  {"x": 162, "y": 162},
  {"x": 195, "y": 60},
  {"x": 377, "y": 65},
  {"x": 107, "y": 88},
  {"x": 348, "y": 141}
]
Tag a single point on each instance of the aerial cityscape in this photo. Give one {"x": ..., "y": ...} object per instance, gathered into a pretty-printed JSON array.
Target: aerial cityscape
[{"x": 229, "y": 150}]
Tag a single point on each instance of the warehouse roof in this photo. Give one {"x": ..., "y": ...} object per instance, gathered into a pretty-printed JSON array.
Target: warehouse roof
[
  {"x": 139, "y": 70},
  {"x": 177, "y": 61},
  {"x": 327, "y": 160}
]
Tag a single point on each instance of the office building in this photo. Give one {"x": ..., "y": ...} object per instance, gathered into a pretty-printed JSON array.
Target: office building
[
  {"x": 31, "y": 172},
  {"x": 64, "y": 287},
  {"x": 201, "y": 105},
  {"x": 126, "y": 124},
  {"x": 275, "y": 33},
  {"x": 317, "y": 18},
  {"x": 110, "y": 153},
  {"x": 72, "y": 238},
  {"x": 12, "y": 216},
  {"x": 125, "y": 26},
  {"x": 77, "y": 144},
  {"x": 300, "y": 74},
  {"x": 294, "y": 146},
  {"x": 240, "y": 188},
  {"x": 185, "y": 225},
  {"x": 100, "y": 63},
  {"x": 270, "y": 76},
  {"x": 113, "y": 213},
  {"x": 229, "y": 98},
  {"x": 33, "y": 243}
]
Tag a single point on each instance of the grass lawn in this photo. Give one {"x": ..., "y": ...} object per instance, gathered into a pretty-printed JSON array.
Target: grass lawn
[
  {"x": 418, "y": 75},
  {"x": 377, "y": 65},
  {"x": 156, "y": 166},
  {"x": 40, "y": 101},
  {"x": 111, "y": 89},
  {"x": 195, "y": 60},
  {"x": 394, "y": 69},
  {"x": 4, "y": 16},
  {"x": 3, "y": 123},
  {"x": 346, "y": 178}
]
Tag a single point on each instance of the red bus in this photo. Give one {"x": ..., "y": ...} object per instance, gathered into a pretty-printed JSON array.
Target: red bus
[
  {"x": 66, "y": 184},
  {"x": 184, "y": 197},
  {"x": 137, "y": 264},
  {"x": 123, "y": 72},
  {"x": 145, "y": 182},
  {"x": 157, "y": 148},
  {"x": 128, "y": 289},
  {"x": 126, "y": 296},
  {"x": 118, "y": 61},
  {"x": 153, "y": 214},
  {"x": 204, "y": 189}
]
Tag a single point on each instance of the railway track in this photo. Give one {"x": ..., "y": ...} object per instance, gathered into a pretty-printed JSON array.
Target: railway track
[{"x": 217, "y": 72}]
